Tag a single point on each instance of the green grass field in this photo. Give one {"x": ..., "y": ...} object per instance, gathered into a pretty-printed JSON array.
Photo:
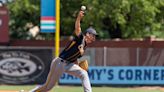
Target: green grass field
[{"x": 11, "y": 88}]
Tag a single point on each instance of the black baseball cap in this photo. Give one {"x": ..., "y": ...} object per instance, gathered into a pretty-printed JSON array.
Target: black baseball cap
[{"x": 91, "y": 30}]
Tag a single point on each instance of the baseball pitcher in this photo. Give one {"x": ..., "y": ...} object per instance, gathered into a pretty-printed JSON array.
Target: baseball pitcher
[{"x": 67, "y": 58}]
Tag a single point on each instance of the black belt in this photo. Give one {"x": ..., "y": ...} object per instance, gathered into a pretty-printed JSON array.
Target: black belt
[{"x": 62, "y": 60}]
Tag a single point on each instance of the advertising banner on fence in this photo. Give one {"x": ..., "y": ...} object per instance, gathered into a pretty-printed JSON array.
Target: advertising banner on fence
[
  {"x": 120, "y": 75},
  {"x": 24, "y": 65}
]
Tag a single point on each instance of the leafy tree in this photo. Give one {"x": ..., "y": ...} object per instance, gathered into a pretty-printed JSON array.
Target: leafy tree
[
  {"x": 127, "y": 18},
  {"x": 24, "y": 14},
  {"x": 69, "y": 10},
  {"x": 111, "y": 18}
]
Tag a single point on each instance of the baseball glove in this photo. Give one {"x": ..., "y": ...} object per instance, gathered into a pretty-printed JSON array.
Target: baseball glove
[{"x": 84, "y": 64}]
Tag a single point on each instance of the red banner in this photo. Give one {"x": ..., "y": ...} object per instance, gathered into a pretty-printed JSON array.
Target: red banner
[{"x": 4, "y": 19}]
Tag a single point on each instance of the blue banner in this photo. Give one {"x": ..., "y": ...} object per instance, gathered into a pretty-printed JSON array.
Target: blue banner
[
  {"x": 48, "y": 13},
  {"x": 120, "y": 75}
]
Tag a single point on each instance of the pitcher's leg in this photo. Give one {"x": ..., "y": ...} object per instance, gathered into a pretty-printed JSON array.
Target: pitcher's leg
[
  {"x": 56, "y": 70},
  {"x": 77, "y": 71}
]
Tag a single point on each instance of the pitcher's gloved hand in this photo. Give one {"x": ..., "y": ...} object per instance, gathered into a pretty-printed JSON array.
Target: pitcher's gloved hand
[{"x": 84, "y": 64}]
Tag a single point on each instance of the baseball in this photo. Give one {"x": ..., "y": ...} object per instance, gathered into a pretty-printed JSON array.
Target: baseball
[
  {"x": 21, "y": 90},
  {"x": 83, "y": 8}
]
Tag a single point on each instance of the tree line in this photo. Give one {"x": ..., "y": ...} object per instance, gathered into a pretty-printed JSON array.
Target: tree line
[{"x": 125, "y": 19}]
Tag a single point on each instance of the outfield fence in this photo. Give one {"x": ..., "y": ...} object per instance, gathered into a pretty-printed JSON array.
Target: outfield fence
[{"x": 28, "y": 62}]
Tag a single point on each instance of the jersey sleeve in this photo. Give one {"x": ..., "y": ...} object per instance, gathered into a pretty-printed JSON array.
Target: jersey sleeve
[{"x": 78, "y": 38}]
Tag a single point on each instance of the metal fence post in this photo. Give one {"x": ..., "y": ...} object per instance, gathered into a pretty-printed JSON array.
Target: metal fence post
[{"x": 105, "y": 55}]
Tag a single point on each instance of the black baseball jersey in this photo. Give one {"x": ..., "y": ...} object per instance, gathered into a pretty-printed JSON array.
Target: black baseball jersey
[{"x": 71, "y": 52}]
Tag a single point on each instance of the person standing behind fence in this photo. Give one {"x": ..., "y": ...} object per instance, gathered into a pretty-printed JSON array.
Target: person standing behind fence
[{"x": 67, "y": 58}]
